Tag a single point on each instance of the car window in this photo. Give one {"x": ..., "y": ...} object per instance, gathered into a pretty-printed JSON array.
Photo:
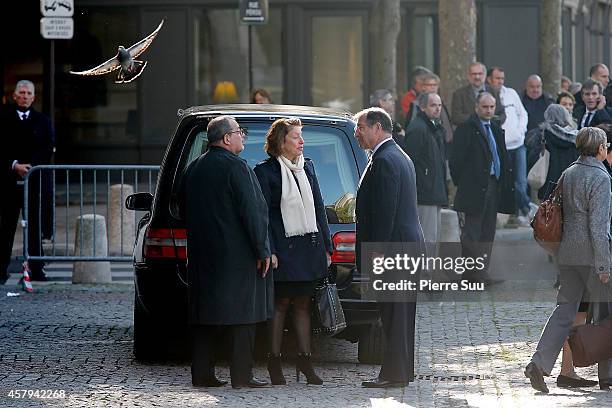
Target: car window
[{"x": 328, "y": 148}]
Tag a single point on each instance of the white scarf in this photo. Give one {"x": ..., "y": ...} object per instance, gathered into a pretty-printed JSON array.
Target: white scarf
[{"x": 297, "y": 209}]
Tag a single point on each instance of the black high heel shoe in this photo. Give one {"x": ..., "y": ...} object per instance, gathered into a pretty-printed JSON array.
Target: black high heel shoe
[
  {"x": 304, "y": 365},
  {"x": 275, "y": 369}
]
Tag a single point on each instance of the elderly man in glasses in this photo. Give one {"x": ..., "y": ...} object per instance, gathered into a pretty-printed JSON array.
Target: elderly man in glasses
[{"x": 228, "y": 254}]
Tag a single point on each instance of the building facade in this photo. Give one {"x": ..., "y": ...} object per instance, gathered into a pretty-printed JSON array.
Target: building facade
[{"x": 310, "y": 52}]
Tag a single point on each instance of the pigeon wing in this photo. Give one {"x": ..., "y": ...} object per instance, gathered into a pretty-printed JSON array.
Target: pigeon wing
[
  {"x": 140, "y": 47},
  {"x": 104, "y": 68}
]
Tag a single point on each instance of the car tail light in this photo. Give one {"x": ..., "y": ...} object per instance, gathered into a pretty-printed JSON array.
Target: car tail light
[
  {"x": 344, "y": 247},
  {"x": 165, "y": 243}
]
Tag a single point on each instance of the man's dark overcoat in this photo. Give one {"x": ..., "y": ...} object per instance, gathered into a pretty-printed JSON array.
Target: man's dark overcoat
[
  {"x": 470, "y": 167},
  {"x": 227, "y": 231},
  {"x": 386, "y": 211},
  {"x": 29, "y": 141},
  {"x": 424, "y": 144}
]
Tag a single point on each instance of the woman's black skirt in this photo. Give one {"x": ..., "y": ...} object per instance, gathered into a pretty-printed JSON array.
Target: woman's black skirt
[{"x": 289, "y": 289}]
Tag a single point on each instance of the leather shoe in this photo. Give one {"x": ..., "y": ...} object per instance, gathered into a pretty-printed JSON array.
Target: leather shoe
[
  {"x": 210, "y": 382},
  {"x": 564, "y": 381},
  {"x": 252, "y": 383},
  {"x": 380, "y": 383},
  {"x": 536, "y": 377}
]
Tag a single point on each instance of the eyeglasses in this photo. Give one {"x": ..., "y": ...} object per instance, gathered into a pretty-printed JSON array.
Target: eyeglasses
[{"x": 244, "y": 132}]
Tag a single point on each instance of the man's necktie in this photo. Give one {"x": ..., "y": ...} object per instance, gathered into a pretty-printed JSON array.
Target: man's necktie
[
  {"x": 24, "y": 116},
  {"x": 587, "y": 120},
  {"x": 493, "y": 146}
]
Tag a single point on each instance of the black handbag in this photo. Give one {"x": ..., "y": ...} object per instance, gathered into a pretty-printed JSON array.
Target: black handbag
[{"x": 328, "y": 316}]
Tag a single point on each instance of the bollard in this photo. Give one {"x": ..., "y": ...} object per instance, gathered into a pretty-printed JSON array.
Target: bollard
[
  {"x": 121, "y": 222},
  {"x": 449, "y": 230},
  {"x": 91, "y": 272},
  {"x": 502, "y": 220}
]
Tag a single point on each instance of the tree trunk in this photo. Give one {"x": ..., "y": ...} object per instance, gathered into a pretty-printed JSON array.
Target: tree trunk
[
  {"x": 457, "y": 32},
  {"x": 384, "y": 30},
  {"x": 550, "y": 45}
]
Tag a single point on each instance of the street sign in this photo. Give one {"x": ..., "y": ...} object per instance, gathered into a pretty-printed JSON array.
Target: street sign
[
  {"x": 253, "y": 11},
  {"x": 57, "y": 8},
  {"x": 57, "y": 28}
]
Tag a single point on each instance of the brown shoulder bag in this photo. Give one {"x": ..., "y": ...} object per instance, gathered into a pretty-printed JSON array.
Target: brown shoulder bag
[{"x": 547, "y": 223}]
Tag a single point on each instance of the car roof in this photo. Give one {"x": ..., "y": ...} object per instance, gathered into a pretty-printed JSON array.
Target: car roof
[{"x": 266, "y": 110}]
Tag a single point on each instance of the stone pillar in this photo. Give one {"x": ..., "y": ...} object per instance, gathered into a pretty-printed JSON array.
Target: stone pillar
[
  {"x": 90, "y": 229},
  {"x": 121, "y": 222}
]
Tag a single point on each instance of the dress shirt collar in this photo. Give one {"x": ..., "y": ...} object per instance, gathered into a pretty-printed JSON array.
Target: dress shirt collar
[{"x": 380, "y": 144}]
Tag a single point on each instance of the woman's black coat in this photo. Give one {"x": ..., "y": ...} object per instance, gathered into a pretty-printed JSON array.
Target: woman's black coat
[
  {"x": 562, "y": 154},
  {"x": 299, "y": 259}
]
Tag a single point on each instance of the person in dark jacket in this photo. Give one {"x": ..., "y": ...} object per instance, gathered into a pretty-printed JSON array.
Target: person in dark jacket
[
  {"x": 228, "y": 254},
  {"x": 600, "y": 73},
  {"x": 424, "y": 143},
  {"x": 535, "y": 101},
  {"x": 593, "y": 111},
  {"x": 481, "y": 171},
  {"x": 559, "y": 135},
  {"x": 29, "y": 141},
  {"x": 299, "y": 239},
  {"x": 386, "y": 211}
]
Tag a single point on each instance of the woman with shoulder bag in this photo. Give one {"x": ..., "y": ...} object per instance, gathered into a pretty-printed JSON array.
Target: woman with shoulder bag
[
  {"x": 300, "y": 241},
  {"x": 584, "y": 256}
]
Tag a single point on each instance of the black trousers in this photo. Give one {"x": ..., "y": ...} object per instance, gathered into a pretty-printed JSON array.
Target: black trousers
[
  {"x": 478, "y": 231},
  {"x": 242, "y": 343},
  {"x": 398, "y": 320},
  {"x": 10, "y": 207}
]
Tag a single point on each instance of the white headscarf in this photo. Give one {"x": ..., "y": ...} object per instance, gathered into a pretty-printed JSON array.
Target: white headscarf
[{"x": 297, "y": 204}]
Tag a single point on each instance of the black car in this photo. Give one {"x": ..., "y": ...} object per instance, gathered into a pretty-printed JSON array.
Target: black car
[{"x": 160, "y": 303}]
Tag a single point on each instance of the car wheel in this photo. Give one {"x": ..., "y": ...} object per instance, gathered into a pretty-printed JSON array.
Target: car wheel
[
  {"x": 161, "y": 338},
  {"x": 372, "y": 344},
  {"x": 146, "y": 341}
]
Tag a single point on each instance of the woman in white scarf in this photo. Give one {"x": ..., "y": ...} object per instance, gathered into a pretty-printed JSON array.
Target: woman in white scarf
[{"x": 299, "y": 240}]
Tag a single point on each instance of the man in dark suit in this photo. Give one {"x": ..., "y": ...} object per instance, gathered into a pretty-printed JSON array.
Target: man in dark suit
[
  {"x": 480, "y": 169},
  {"x": 228, "y": 254},
  {"x": 29, "y": 141},
  {"x": 593, "y": 112},
  {"x": 464, "y": 98},
  {"x": 386, "y": 211},
  {"x": 600, "y": 73}
]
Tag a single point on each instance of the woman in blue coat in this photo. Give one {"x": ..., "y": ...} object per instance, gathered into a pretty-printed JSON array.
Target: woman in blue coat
[{"x": 299, "y": 237}]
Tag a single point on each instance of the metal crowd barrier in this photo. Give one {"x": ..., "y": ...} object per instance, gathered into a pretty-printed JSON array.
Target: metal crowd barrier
[{"x": 55, "y": 195}]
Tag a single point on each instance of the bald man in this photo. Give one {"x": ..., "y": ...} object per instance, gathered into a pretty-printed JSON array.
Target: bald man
[
  {"x": 480, "y": 169},
  {"x": 535, "y": 101}
]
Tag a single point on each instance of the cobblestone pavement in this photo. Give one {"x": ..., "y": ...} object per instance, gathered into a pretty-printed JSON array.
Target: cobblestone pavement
[{"x": 78, "y": 339}]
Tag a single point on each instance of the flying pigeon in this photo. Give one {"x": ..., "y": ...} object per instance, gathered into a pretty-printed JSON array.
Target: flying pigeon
[{"x": 129, "y": 68}]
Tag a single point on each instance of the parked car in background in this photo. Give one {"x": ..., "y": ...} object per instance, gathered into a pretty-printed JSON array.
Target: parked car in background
[{"x": 160, "y": 303}]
